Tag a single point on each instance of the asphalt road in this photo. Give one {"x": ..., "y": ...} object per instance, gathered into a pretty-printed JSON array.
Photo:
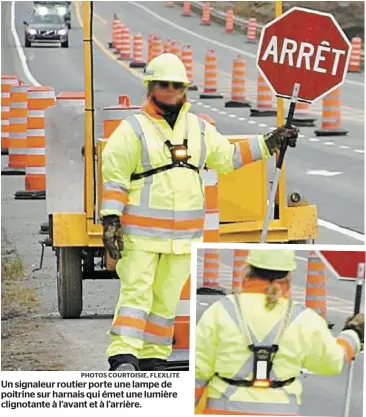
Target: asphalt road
[
  {"x": 338, "y": 198},
  {"x": 323, "y": 396}
]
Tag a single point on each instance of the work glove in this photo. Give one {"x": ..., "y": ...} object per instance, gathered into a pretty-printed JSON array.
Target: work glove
[
  {"x": 275, "y": 138},
  {"x": 112, "y": 236},
  {"x": 356, "y": 323}
]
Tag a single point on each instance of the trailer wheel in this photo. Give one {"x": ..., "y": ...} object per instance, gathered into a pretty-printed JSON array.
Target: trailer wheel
[{"x": 69, "y": 283}]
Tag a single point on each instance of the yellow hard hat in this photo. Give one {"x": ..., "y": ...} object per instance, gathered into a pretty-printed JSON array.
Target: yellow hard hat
[
  {"x": 166, "y": 67},
  {"x": 274, "y": 260}
]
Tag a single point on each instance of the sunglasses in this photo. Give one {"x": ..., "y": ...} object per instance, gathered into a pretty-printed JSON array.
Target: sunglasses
[{"x": 166, "y": 84}]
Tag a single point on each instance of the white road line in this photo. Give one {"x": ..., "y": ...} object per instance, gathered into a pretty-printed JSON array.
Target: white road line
[
  {"x": 206, "y": 106},
  {"x": 19, "y": 48},
  {"x": 214, "y": 109},
  {"x": 222, "y": 112},
  {"x": 252, "y": 122},
  {"x": 329, "y": 143},
  {"x": 338, "y": 229},
  {"x": 314, "y": 139},
  {"x": 232, "y": 115},
  {"x": 199, "y": 103},
  {"x": 241, "y": 119},
  {"x": 213, "y": 42},
  {"x": 262, "y": 125},
  {"x": 300, "y": 136},
  {"x": 344, "y": 147},
  {"x": 359, "y": 151}
]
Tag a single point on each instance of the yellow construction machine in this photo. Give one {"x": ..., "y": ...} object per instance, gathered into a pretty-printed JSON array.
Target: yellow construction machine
[{"x": 74, "y": 186}]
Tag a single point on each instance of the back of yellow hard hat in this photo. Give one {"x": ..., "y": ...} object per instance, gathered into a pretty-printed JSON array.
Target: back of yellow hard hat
[
  {"x": 273, "y": 260},
  {"x": 166, "y": 67}
]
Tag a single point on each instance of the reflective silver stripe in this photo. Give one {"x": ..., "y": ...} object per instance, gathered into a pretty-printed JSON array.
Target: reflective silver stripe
[
  {"x": 16, "y": 151},
  {"x": 41, "y": 94},
  {"x": 212, "y": 221},
  {"x": 134, "y": 312},
  {"x": 127, "y": 331},
  {"x": 35, "y": 151},
  {"x": 112, "y": 205},
  {"x": 35, "y": 113},
  {"x": 349, "y": 339},
  {"x": 160, "y": 321},
  {"x": 209, "y": 177},
  {"x": 161, "y": 233},
  {"x": 16, "y": 135},
  {"x": 22, "y": 105},
  {"x": 199, "y": 383},
  {"x": 18, "y": 120},
  {"x": 254, "y": 407},
  {"x": 202, "y": 126},
  {"x": 114, "y": 186},
  {"x": 157, "y": 340},
  {"x": 237, "y": 161},
  {"x": 36, "y": 132},
  {"x": 164, "y": 214},
  {"x": 35, "y": 171},
  {"x": 255, "y": 148}
]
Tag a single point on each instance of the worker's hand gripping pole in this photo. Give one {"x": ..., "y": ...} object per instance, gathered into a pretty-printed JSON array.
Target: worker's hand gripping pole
[
  {"x": 279, "y": 163},
  {"x": 358, "y": 296}
]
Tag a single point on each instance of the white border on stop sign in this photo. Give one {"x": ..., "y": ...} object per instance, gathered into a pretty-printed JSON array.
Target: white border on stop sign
[{"x": 303, "y": 9}]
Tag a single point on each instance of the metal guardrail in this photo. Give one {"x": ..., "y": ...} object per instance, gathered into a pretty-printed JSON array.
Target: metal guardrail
[{"x": 241, "y": 24}]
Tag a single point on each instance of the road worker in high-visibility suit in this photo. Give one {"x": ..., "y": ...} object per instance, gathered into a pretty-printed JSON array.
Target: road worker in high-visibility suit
[
  {"x": 251, "y": 346},
  {"x": 153, "y": 208}
]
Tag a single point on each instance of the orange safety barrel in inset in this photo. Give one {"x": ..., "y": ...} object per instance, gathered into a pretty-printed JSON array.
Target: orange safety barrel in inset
[
  {"x": 125, "y": 53},
  {"x": 17, "y": 131},
  {"x": 187, "y": 59},
  {"x": 124, "y": 100},
  {"x": 167, "y": 45},
  {"x": 119, "y": 38},
  {"x": 211, "y": 268},
  {"x": 210, "y": 76},
  {"x": 240, "y": 257},
  {"x": 137, "y": 57},
  {"x": 182, "y": 318},
  {"x": 157, "y": 47},
  {"x": 355, "y": 61},
  {"x": 252, "y": 30},
  {"x": 302, "y": 115},
  {"x": 316, "y": 281},
  {"x": 186, "y": 9},
  {"x": 113, "y": 115},
  {"x": 264, "y": 94},
  {"x": 176, "y": 49},
  {"x": 7, "y": 81},
  {"x": 331, "y": 115},
  {"x": 114, "y": 31},
  {"x": 206, "y": 14},
  {"x": 170, "y": 4},
  {"x": 149, "y": 47},
  {"x": 229, "y": 23},
  {"x": 238, "y": 84}
]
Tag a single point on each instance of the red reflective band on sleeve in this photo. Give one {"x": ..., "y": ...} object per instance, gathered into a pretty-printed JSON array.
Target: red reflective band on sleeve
[
  {"x": 350, "y": 352},
  {"x": 120, "y": 196},
  {"x": 129, "y": 322},
  {"x": 245, "y": 152}
]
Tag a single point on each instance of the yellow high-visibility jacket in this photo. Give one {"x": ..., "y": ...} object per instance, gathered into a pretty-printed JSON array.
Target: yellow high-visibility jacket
[
  {"x": 221, "y": 351},
  {"x": 165, "y": 212}
]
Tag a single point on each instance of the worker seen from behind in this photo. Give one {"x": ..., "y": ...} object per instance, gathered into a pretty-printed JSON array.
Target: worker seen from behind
[
  {"x": 251, "y": 346},
  {"x": 153, "y": 208}
]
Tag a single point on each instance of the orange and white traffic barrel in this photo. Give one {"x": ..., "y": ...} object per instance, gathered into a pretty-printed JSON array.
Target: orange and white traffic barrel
[
  {"x": 240, "y": 257},
  {"x": 229, "y": 23},
  {"x": 238, "y": 84},
  {"x": 186, "y": 9},
  {"x": 7, "y": 81},
  {"x": 302, "y": 115},
  {"x": 167, "y": 45},
  {"x": 252, "y": 30},
  {"x": 176, "y": 49},
  {"x": 264, "y": 100},
  {"x": 157, "y": 47},
  {"x": 170, "y": 4},
  {"x": 114, "y": 31},
  {"x": 124, "y": 100},
  {"x": 118, "y": 38},
  {"x": 187, "y": 59},
  {"x": 316, "y": 285},
  {"x": 206, "y": 14},
  {"x": 182, "y": 319},
  {"x": 125, "y": 52},
  {"x": 150, "y": 46},
  {"x": 331, "y": 124},
  {"x": 355, "y": 60},
  {"x": 137, "y": 57},
  {"x": 17, "y": 131},
  {"x": 39, "y": 99},
  {"x": 210, "y": 76},
  {"x": 113, "y": 116}
]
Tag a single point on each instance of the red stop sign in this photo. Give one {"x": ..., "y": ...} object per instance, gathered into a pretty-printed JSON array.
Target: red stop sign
[{"x": 306, "y": 47}]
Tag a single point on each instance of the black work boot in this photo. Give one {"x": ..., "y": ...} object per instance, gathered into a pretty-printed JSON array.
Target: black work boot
[
  {"x": 127, "y": 363},
  {"x": 152, "y": 364}
]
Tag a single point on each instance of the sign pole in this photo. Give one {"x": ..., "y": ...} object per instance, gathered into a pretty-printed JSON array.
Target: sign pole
[
  {"x": 279, "y": 163},
  {"x": 358, "y": 296}
]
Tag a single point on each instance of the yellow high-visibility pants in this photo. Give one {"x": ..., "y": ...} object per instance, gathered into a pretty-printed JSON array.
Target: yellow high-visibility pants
[{"x": 151, "y": 284}]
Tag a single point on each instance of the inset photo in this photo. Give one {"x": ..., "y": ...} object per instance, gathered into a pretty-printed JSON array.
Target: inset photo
[{"x": 278, "y": 331}]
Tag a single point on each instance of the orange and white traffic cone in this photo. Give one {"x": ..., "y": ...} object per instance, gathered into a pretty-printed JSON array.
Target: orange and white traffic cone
[
  {"x": 264, "y": 100},
  {"x": 302, "y": 116},
  {"x": 39, "y": 99},
  {"x": 229, "y": 23},
  {"x": 125, "y": 53},
  {"x": 210, "y": 76},
  {"x": 252, "y": 30},
  {"x": 206, "y": 14},
  {"x": 355, "y": 61},
  {"x": 157, "y": 47},
  {"x": 137, "y": 54},
  {"x": 186, "y": 9},
  {"x": 114, "y": 31},
  {"x": 316, "y": 285},
  {"x": 331, "y": 115},
  {"x": 187, "y": 59},
  {"x": 176, "y": 50},
  {"x": 119, "y": 37},
  {"x": 149, "y": 47},
  {"x": 240, "y": 257},
  {"x": 238, "y": 84},
  {"x": 7, "y": 81},
  {"x": 17, "y": 131},
  {"x": 167, "y": 45}
]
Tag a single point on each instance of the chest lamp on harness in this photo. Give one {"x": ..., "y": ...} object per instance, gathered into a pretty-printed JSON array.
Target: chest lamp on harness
[{"x": 179, "y": 152}]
